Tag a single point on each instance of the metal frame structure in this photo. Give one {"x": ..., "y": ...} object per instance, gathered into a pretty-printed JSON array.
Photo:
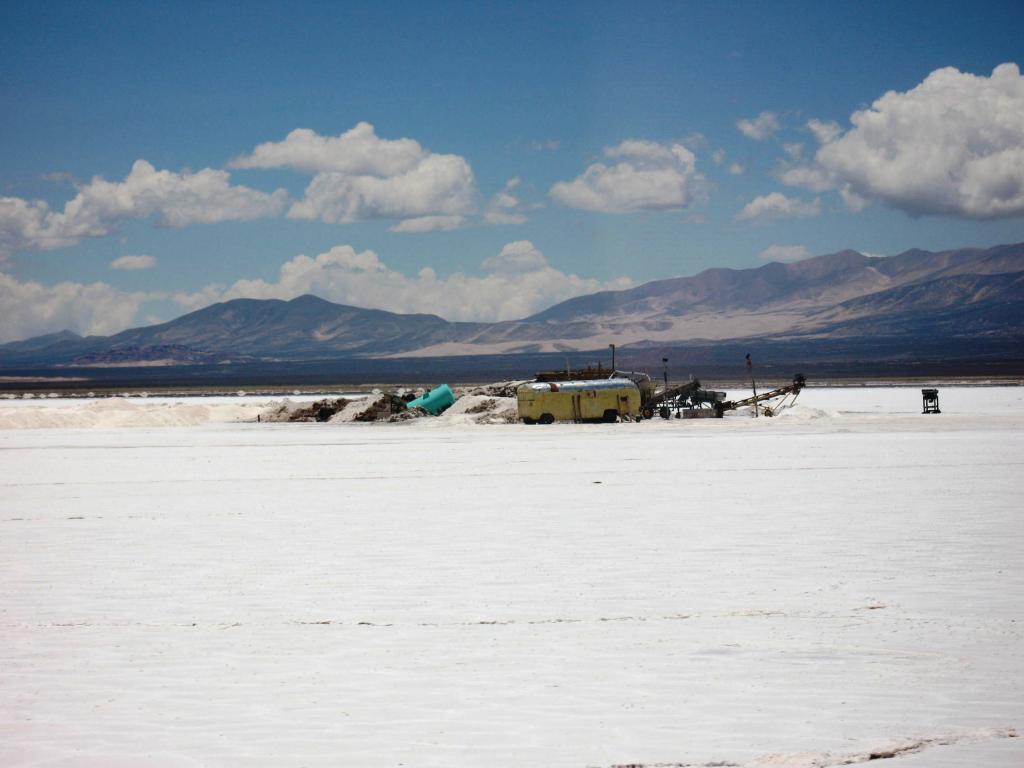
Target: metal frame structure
[{"x": 794, "y": 389}]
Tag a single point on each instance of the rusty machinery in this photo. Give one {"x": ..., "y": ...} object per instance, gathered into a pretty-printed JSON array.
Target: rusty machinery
[
  {"x": 788, "y": 394},
  {"x": 690, "y": 401}
]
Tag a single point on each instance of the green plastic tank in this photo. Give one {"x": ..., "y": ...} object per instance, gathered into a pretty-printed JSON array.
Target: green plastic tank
[{"x": 435, "y": 400}]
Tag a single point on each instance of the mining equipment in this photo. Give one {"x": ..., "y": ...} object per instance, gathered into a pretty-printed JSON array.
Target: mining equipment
[
  {"x": 691, "y": 401},
  {"x": 687, "y": 400},
  {"x": 788, "y": 394}
]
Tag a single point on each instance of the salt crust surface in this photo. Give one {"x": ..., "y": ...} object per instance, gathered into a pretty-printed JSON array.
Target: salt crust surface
[
  {"x": 813, "y": 403},
  {"x": 801, "y": 591}
]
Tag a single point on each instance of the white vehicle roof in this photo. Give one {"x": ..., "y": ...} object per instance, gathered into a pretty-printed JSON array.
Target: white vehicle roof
[{"x": 580, "y": 386}]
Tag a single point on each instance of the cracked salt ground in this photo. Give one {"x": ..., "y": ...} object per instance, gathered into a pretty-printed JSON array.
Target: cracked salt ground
[{"x": 749, "y": 593}]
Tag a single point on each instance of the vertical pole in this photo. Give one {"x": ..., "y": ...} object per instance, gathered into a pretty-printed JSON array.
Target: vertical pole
[
  {"x": 664, "y": 363},
  {"x": 613, "y": 358},
  {"x": 750, "y": 370}
]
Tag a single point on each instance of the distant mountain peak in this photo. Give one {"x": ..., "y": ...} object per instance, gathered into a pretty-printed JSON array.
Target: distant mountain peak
[
  {"x": 837, "y": 295},
  {"x": 309, "y": 298}
]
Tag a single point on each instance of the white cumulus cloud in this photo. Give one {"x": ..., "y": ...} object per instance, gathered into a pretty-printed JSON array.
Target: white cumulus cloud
[
  {"x": 515, "y": 283},
  {"x": 506, "y": 207},
  {"x": 133, "y": 262},
  {"x": 428, "y": 224},
  {"x": 359, "y": 152},
  {"x": 647, "y": 176},
  {"x": 953, "y": 145},
  {"x": 101, "y": 206},
  {"x": 806, "y": 176},
  {"x": 785, "y": 253},
  {"x": 824, "y": 130},
  {"x": 31, "y": 309},
  {"x": 777, "y": 206},
  {"x": 519, "y": 257},
  {"x": 360, "y": 176},
  {"x": 441, "y": 185},
  {"x": 760, "y": 127}
]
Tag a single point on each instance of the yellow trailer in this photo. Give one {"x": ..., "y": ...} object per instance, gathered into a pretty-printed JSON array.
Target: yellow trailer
[{"x": 543, "y": 402}]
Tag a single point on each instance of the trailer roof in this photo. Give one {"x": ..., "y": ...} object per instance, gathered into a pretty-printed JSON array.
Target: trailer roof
[{"x": 580, "y": 386}]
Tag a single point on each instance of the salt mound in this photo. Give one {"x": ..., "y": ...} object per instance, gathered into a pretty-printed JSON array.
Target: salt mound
[
  {"x": 118, "y": 412},
  {"x": 317, "y": 410},
  {"x": 498, "y": 389},
  {"x": 280, "y": 410},
  {"x": 375, "y": 407},
  {"x": 480, "y": 409},
  {"x": 353, "y": 410}
]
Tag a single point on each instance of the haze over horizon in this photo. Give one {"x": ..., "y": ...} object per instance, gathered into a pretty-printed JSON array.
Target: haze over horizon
[{"x": 484, "y": 162}]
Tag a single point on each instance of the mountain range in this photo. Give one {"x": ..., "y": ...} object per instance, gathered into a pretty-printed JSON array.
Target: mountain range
[{"x": 959, "y": 295}]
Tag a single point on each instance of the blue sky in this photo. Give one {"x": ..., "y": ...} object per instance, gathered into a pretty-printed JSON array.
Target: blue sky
[{"x": 551, "y": 149}]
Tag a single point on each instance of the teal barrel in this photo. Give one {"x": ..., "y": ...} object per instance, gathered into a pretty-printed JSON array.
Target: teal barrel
[{"x": 435, "y": 400}]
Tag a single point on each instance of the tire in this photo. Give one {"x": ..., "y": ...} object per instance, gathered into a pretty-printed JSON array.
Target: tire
[
  {"x": 528, "y": 420},
  {"x": 546, "y": 418},
  {"x": 610, "y": 416},
  {"x": 648, "y": 413},
  {"x": 664, "y": 412}
]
